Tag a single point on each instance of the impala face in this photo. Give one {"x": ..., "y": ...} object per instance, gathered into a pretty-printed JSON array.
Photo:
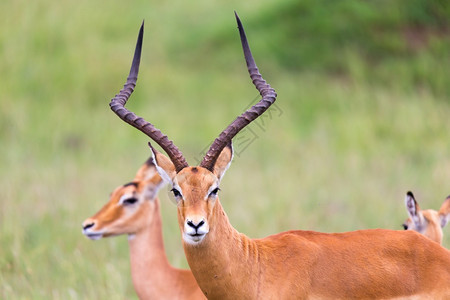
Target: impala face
[
  {"x": 427, "y": 223},
  {"x": 129, "y": 207},
  {"x": 195, "y": 190}
]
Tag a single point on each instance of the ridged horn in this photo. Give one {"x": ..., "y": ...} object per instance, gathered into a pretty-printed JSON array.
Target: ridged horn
[
  {"x": 117, "y": 105},
  {"x": 268, "y": 98}
]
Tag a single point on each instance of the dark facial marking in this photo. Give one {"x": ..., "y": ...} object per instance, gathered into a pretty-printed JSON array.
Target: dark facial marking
[
  {"x": 131, "y": 183},
  {"x": 130, "y": 201},
  {"x": 194, "y": 170},
  {"x": 149, "y": 162}
]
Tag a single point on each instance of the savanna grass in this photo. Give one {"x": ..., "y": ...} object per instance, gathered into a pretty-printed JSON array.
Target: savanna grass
[{"x": 360, "y": 119}]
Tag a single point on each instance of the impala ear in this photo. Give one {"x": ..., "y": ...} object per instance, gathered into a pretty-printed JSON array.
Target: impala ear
[
  {"x": 413, "y": 208},
  {"x": 223, "y": 162},
  {"x": 164, "y": 165},
  {"x": 444, "y": 219},
  {"x": 444, "y": 212},
  {"x": 148, "y": 172}
]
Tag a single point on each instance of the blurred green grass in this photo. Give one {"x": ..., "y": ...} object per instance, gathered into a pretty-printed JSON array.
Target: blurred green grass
[{"x": 363, "y": 93}]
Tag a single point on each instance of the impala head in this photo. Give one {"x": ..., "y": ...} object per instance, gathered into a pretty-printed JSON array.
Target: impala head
[
  {"x": 130, "y": 208},
  {"x": 195, "y": 188},
  {"x": 427, "y": 222},
  {"x": 195, "y": 191}
]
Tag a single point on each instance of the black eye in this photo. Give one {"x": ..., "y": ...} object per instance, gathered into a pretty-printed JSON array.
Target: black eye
[
  {"x": 405, "y": 226},
  {"x": 214, "y": 192},
  {"x": 129, "y": 201},
  {"x": 175, "y": 192}
]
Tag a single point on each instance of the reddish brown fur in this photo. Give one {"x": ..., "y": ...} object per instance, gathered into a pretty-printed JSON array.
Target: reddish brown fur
[
  {"x": 153, "y": 276},
  {"x": 371, "y": 264}
]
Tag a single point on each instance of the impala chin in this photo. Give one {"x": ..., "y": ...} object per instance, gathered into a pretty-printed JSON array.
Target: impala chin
[
  {"x": 93, "y": 235},
  {"x": 193, "y": 240}
]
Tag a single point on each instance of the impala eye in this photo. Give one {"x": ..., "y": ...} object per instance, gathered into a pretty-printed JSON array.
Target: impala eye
[
  {"x": 214, "y": 192},
  {"x": 176, "y": 193},
  {"x": 129, "y": 201}
]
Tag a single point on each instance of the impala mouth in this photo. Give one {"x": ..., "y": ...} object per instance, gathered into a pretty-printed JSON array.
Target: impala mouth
[
  {"x": 93, "y": 235},
  {"x": 193, "y": 239}
]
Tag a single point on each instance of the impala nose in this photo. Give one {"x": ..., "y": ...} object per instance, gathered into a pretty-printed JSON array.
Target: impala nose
[
  {"x": 195, "y": 226},
  {"x": 88, "y": 230},
  {"x": 195, "y": 229},
  {"x": 88, "y": 225}
]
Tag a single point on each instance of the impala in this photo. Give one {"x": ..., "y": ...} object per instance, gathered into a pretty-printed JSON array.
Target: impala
[
  {"x": 133, "y": 209},
  {"x": 227, "y": 264},
  {"x": 427, "y": 222}
]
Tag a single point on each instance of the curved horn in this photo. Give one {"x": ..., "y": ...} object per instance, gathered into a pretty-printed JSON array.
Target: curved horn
[
  {"x": 117, "y": 105},
  {"x": 268, "y": 98}
]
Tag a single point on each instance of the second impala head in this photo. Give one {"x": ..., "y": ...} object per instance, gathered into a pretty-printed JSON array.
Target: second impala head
[
  {"x": 130, "y": 208},
  {"x": 195, "y": 191},
  {"x": 428, "y": 222}
]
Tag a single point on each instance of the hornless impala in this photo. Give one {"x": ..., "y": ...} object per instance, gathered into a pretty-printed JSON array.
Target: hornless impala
[
  {"x": 427, "y": 222},
  {"x": 375, "y": 264},
  {"x": 133, "y": 209}
]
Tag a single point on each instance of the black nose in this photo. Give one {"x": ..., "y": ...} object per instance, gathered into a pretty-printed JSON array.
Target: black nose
[
  {"x": 190, "y": 223},
  {"x": 87, "y": 226},
  {"x": 405, "y": 226}
]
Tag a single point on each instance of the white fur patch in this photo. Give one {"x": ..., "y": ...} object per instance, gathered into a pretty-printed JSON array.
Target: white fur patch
[
  {"x": 123, "y": 198},
  {"x": 194, "y": 236},
  {"x": 211, "y": 188},
  {"x": 93, "y": 235},
  {"x": 228, "y": 165},
  {"x": 193, "y": 240},
  {"x": 410, "y": 206},
  {"x": 177, "y": 187},
  {"x": 444, "y": 220},
  {"x": 413, "y": 213},
  {"x": 160, "y": 170}
]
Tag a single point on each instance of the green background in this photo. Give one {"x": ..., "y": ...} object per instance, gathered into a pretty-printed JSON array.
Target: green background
[{"x": 362, "y": 117}]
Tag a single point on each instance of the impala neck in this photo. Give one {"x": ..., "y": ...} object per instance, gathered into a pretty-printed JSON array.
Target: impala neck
[
  {"x": 149, "y": 265},
  {"x": 222, "y": 255}
]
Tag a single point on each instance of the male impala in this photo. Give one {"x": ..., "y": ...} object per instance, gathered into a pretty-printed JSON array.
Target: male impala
[
  {"x": 133, "y": 209},
  {"x": 427, "y": 222},
  {"x": 370, "y": 264}
]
